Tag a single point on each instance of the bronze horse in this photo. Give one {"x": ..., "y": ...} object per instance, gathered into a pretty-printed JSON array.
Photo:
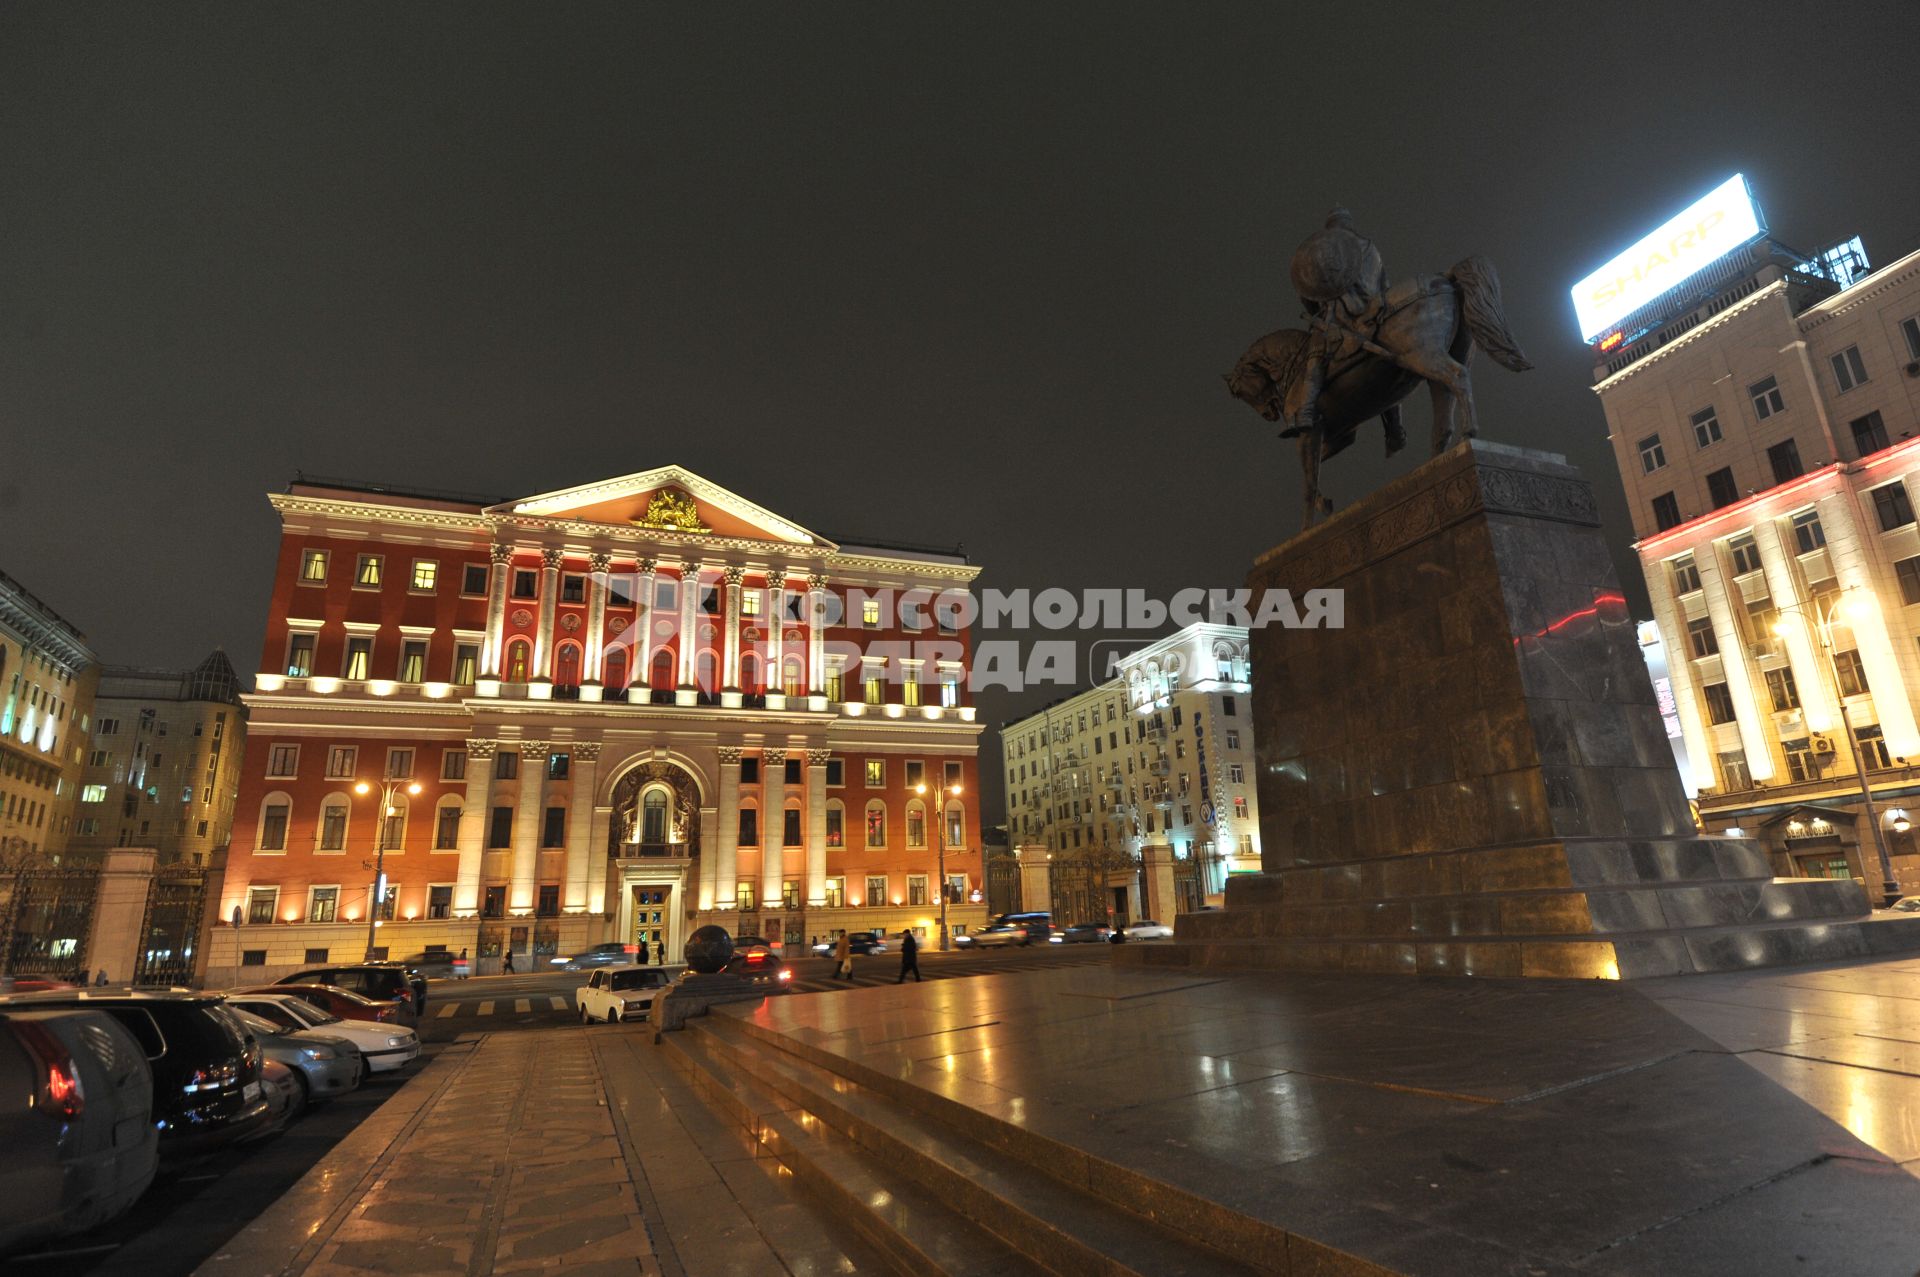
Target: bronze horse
[{"x": 1426, "y": 330}]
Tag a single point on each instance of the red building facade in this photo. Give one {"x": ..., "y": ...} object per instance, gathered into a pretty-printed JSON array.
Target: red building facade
[{"x": 615, "y": 712}]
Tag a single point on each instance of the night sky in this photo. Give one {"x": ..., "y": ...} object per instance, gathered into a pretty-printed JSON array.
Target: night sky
[{"x": 963, "y": 276}]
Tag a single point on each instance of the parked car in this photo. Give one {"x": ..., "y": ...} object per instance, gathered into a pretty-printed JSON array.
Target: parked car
[
  {"x": 615, "y": 953},
  {"x": 283, "y": 1097},
  {"x": 324, "y": 1065},
  {"x": 379, "y": 981},
  {"x": 858, "y": 942},
  {"x": 383, "y": 1047},
  {"x": 1906, "y": 904},
  {"x": 613, "y": 994},
  {"x": 207, "y": 1088},
  {"x": 1082, "y": 933},
  {"x": 76, "y": 1121},
  {"x": 344, "y": 1003},
  {"x": 1147, "y": 929},
  {"x": 759, "y": 964}
]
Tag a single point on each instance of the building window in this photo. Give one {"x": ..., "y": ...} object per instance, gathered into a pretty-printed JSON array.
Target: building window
[
  {"x": 1236, "y": 773},
  {"x": 750, "y": 602},
  {"x": 553, "y": 832},
  {"x": 1700, "y": 639},
  {"x": 789, "y": 894},
  {"x": 413, "y": 661},
  {"x": 1849, "y": 370},
  {"x": 500, "y": 829},
  {"x": 453, "y": 764},
  {"x": 1873, "y": 747},
  {"x": 1227, "y": 706},
  {"x": 872, "y": 689},
  {"x": 494, "y": 903},
  {"x": 526, "y": 584},
  {"x": 1781, "y": 688},
  {"x": 749, "y": 827},
  {"x": 950, "y": 775},
  {"x": 506, "y": 766},
  {"x": 836, "y": 772},
  {"x": 876, "y": 889},
  {"x": 949, "y": 689},
  {"x": 446, "y": 831},
  {"x": 466, "y": 664},
  {"x": 794, "y": 683},
  {"x": 1910, "y": 329},
  {"x": 1800, "y": 760},
  {"x": 1891, "y": 504},
  {"x": 547, "y": 903},
  {"x": 870, "y": 613},
  {"x": 1808, "y": 535},
  {"x": 260, "y": 904},
  {"x": 559, "y": 764},
  {"x": 916, "y": 773},
  {"x": 1233, "y": 739},
  {"x": 273, "y": 827},
  {"x": 313, "y": 567},
  {"x": 1666, "y": 512},
  {"x": 439, "y": 902},
  {"x": 916, "y": 828},
  {"x": 519, "y": 661},
  {"x": 426, "y": 576},
  {"x": 573, "y": 588},
  {"x": 1721, "y": 488},
  {"x": 1869, "y": 434},
  {"x": 333, "y": 827},
  {"x": 836, "y": 826},
  {"x": 666, "y": 595},
  {"x": 366, "y": 573},
  {"x": 359, "y": 658},
  {"x": 473, "y": 579},
  {"x": 790, "y": 827},
  {"x": 876, "y": 773},
  {"x": 322, "y": 904},
  {"x": 790, "y": 772},
  {"x": 1851, "y": 673},
  {"x": 283, "y": 760},
  {"x": 1733, "y": 769},
  {"x": 836, "y": 685},
  {"x": 399, "y": 764},
  {"x": 876, "y": 826},
  {"x": 836, "y": 893},
  {"x": 744, "y": 896},
  {"x": 910, "y": 690},
  {"x": 956, "y": 827},
  {"x": 1652, "y": 455},
  {"x": 1706, "y": 427},
  {"x": 300, "y": 656},
  {"x": 1686, "y": 575},
  {"x": 1766, "y": 398},
  {"x": 1785, "y": 459},
  {"x": 749, "y": 771},
  {"x": 1745, "y": 555},
  {"x": 340, "y": 761}
]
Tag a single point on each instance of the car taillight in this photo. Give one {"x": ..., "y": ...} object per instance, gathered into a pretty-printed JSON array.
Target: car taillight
[
  {"x": 60, "y": 1093},
  {"x": 217, "y": 1078},
  {"x": 785, "y": 974},
  {"x": 383, "y": 1013}
]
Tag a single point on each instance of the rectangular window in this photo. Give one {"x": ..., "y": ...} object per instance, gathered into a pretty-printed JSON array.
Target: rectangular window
[
  {"x": 1652, "y": 455},
  {"x": 1910, "y": 329},
  {"x": 1227, "y": 706},
  {"x": 1686, "y": 575},
  {"x": 1233, "y": 740},
  {"x": 413, "y": 661},
  {"x": 1808, "y": 535},
  {"x": 313, "y": 567},
  {"x": 1700, "y": 639},
  {"x": 916, "y": 829},
  {"x": 949, "y": 689},
  {"x": 473, "y": 579},
  {"x": 340, "y": 761},
  {"x": 749, "y": 827},
  {"x": 1721, "y": 488},
  {"x": 876, "y": 889},
  {"x": 876, "y": 826},
  {"x": 749, "y": 771},
  {"x": 750, "y": 602},
  {"x": 453, "y": 764},
  {"x": 260, "y": 904},
  {"x": 1236, "y": 773},
  {"x": 710, "y": 601},
  {"x": 666, "y": 596},
  {"x": 333, "y": 827},
  {"x": 93, "y": 793},
  {"x": 1745, "y": 555},
  {"x": 876, "y": 773},
  {"x": 283, "y": 760},
  {"x": 836, "y": 893},
  {"x": 1869, "y": 433},
  {"x": 744, "y": 896},
  {"x": 466, "y": 664},
  {"x": 399, "y": 764},
  {"x": 1873, "y": 747},
  {"x": 547, "y": 903},
  {"x": 1891, "y": 504},
  {"x": 446, "y": 831},
  {"x": 836, "y": 827},
  {"x": 789, "y": 894},
  {"x": 1852, "y": 674},
  {"x": 916, "y": 773},
  {"x": 836, "y": 772},
  {"x": 910, "y": 690},
  {"x": 1719, "y": 703},
  {"x": 790, "y": 827},
  {"x": 1781, "y": 689},
  {"x": 439, "y": 902},
  {"x": 559, "y": 764},
  {"x": 300, "y": 656},
  {"x": 1733, "y": 769},
  {"x": 916, "y": 889},
  {"x": 426, "y": 576},
  {"x": 836, "y": 685},
  {"x": 790, "y": 771},
  {"x": 1706, "y": 427},
  {"x": 553, "y": 833},
  {"x": 870, "y": 613},
  {"x": 506, "y": 766},
  {"x": 573, "y": 588},
  {"x": 957, "y": 828},
  {"x": 323, "y": 904},
  {"x": 273, "y": 827},
  {"x": 1785, "y": 459},
  {"x": 366, "y": 573},
  {"x": 1908, "y": 571},
  {"x": 1666, "y": 512},
  {"x": 1849, "y": 370},
  {"x": 526, "y": 584},
  {"x": 1801, "y": 764},
  {"x": 359, "y": 658},
  {"x": 872, "y": 689},
  {"x": 494, "y": 903},
  {"x": 1766, "y": 398},
  {"x": 500, "y": 829}
]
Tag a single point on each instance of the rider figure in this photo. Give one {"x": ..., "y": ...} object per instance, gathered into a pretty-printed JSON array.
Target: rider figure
[{"x": 1342, "y": 281}]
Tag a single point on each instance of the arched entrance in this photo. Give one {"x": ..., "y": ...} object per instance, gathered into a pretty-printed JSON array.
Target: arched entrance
[{"x": 653, "y": 854}]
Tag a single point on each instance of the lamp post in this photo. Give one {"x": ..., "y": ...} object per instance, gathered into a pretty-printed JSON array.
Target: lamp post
[
  {"x": 1823, "y": 627},
  {"x": 388, "y": 788},
  {"x": 940, "y": 842}
]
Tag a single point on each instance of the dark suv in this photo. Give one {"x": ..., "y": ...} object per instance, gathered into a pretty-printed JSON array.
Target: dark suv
[
  {"x": 380, "y": 981},
  {"x": 206, "y": 1068}
]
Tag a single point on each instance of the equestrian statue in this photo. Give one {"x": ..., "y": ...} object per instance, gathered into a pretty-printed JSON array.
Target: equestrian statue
[{"x": 1367, "y": 345}]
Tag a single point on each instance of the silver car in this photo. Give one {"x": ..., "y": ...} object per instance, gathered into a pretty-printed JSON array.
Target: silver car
[{"x": 323, "y": 1065}]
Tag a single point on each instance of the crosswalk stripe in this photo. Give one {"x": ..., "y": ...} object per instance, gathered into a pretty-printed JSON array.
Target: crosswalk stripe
[
  {"x": 447, "y": 1010},
  {"x": 522, "y": 1005},
  {"x": 557, "y": 1003},
  {"x": 486, "y": 1008}
]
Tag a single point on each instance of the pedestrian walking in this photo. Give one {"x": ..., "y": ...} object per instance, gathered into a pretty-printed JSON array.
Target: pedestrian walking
[
  {"x": 100, "y": 978},
  {"x": 508, "y": 968},
  {"x": 843, "y": 958},
  {"x": 909, "y": 957},
  {"x": 660, "y": 953},
  {"x": 643, "y": 953}
]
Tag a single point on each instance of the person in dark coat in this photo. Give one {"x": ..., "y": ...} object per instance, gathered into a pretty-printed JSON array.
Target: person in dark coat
[
  {"x": 909, "y": 957},
  {"x": 508, "y": 968},
  {"x": 660, "y": 953}
]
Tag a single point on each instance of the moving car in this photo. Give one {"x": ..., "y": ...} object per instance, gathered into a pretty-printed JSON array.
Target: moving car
[
  {"x": 613, "y": 954},
  {"x": 1082, "y": 933},
  {"x": 383, "y": 1047},
  {"x": 759, "y": 964},
  {"x": 858, "y": 942},
  {"x": 1012, "y": 928},
  {"x": 76, "y": 1120},
  {"x": 207, "y": 1088},
  {"x": 378, "y": 981},
  {"x": 341, "y": 1002},
  {"x": 323, "y": 1065},
  {"x": 436, "y": 964},
  {"x": 1148, "y": 929},
  {"x": 1906, "y": 904},
  {"x": 613, "y": 994}
]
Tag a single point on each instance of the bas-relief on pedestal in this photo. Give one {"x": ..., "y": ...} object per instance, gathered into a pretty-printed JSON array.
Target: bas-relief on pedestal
[{"x": 1471, "y": 777}]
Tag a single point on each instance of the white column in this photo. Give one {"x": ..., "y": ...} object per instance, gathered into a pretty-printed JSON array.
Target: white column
[
  {"x": 689, "y": 624},
  {"x": 773, "y": 824},
  {"x": 817, "y": 828},
  {"x": 640, "y": 668},
  {"x": 496, "y": 610},
  {"x": 526, "y": 826},
  {"x": 549, "y": 597},
  {"x": 1667, "y": 614},
  {"x": 1804, "y": 657},
  {"x": 776, "y": 637},
  {"x": 817, "y": 634},
  {"x": 597, "y": 586},
  {"x": 473, "y": 828},
  {"x": 584, "y": 767},
  {"x": 726, "y": 853},
  {"x": 1753, "y": 722},
  {"x": 730, "y": 651},
  {"x": 1861, "y": 612}
]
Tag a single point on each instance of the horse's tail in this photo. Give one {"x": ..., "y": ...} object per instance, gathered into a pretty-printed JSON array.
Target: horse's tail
[{"x": 1480, "y": 306}]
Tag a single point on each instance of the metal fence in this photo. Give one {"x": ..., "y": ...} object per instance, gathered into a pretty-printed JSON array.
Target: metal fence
[
  {"x": 46, "y": 921},
  {"x": 170, "y": 930}
]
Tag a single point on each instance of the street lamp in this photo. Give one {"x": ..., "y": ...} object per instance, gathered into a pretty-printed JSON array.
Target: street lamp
[
  {"x": 388, "y": 788},
  {"x": 940, "y": 842},
  {"x": 1823, "y": 626}
]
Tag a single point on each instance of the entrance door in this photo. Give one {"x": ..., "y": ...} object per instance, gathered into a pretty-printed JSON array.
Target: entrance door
[
  {"x": 652, "y": 907},
  {"x": 1120, "y": 916}
]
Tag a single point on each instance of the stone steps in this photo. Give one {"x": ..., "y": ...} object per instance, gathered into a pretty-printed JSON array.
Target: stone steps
[{"x": 1015, "y": 1190}]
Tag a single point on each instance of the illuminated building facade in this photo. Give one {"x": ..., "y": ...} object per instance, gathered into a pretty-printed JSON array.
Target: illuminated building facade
[
  {"x": 47, "y": 677},
  {"x": 1763, "y": 413},
  {"x": 629, "y": 708}
]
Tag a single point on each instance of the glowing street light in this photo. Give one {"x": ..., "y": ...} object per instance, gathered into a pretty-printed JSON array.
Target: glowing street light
[
  {"x": 940, "y": 841},
  {"x": 388, "y": 790}
]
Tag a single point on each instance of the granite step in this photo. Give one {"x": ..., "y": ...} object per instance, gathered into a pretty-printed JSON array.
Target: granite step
[{"x": 1064, "y": 1229}]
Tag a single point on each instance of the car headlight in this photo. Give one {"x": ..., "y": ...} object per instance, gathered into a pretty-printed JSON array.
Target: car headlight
[
  {"x": 396, "y": 1041},
  {"x": 317, "y": 1052}
]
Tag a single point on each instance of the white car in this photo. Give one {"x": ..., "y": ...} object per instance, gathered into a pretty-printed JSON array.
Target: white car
[
  {"x": 385, "y": 1047},
  {"x": 1148, "y": 929},
  {"x": 613, "y": 994}
]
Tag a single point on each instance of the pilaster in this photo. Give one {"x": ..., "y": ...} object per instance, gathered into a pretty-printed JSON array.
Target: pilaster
[
  {"x": 584, "y": 767},
  {"x": 496, "y": 610},
  {"x": 817, "y": 827},
  {"x": 526, "y": 826},
  {"x": 549, "y": 597},
  {"x": 1721, "y": 597},
  {"x": 473, "y": 828},
  {"x": 773, "y": 817},
  {"x": 726, "y": 855}
]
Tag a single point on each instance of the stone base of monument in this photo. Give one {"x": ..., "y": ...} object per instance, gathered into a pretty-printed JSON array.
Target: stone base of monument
[
  {"x": 1470, "y": 776},
  {"x": 695, "y": 994}
]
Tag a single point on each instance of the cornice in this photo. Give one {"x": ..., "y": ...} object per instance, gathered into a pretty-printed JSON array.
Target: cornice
[
  {"x": 1777, "y": 287},
  {"x": 911, "y": 567},
  {"x": 1880, "y": 281}
]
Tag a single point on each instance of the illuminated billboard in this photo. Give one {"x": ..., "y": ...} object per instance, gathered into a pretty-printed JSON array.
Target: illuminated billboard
[{"x": 1708, "y": 229}]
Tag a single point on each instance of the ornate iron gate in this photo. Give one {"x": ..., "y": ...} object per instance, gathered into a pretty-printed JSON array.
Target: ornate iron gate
[
  {"x": 46, "y": 921},
  {"x": 1003, "y": 885},
  {"x": 170, "y": 932}
]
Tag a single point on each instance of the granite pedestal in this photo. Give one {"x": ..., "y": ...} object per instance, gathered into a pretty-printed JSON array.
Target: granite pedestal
[{"x": 1470, "y": 777}]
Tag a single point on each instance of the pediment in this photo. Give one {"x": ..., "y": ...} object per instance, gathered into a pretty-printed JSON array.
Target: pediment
[{"x": 670, "y": 500}]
